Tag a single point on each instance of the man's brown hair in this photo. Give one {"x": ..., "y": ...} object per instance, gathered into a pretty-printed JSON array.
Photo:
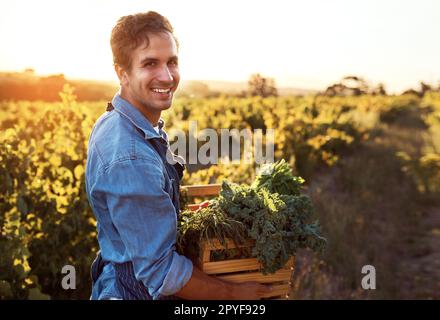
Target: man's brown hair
[{"x": 133, "y": 30}]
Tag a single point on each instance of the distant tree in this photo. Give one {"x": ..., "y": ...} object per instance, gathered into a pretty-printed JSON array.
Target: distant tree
[
  {"x": 348, "y": 86},
  {"x": 379, "y": 90},
  {"x": 356, "y": 84},
  {"x": 411, "y": 91},
  {"x": 424, "y": 87},
  {"x": 260, "y": 86},
  {"x": 336, "y": 89}
]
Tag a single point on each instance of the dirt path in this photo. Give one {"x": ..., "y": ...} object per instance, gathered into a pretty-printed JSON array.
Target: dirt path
[
  {"x": 420, "y": 270},
  {"x": 369, "y": 209}
]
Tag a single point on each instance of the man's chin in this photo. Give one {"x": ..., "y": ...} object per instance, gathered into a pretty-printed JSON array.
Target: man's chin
[
  {"x": 158, "y": 104},
  {"x": 163, "y": 106}
]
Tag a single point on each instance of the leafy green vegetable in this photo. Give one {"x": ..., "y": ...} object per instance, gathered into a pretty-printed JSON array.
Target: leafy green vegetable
[
  {"x": 207, "y": 223},
  {"x": 279, "y": 224},
  {"x": 271, "y": 211},
  {"x": 278, "y": 177}
]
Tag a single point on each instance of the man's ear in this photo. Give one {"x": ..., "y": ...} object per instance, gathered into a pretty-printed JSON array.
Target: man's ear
[{"x": 122, "y": 74}]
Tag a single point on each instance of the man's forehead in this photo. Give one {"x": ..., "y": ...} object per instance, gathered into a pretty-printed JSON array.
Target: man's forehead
[
  {"x": 159, "y": 46},
  {"x": 156, "y": 40}
]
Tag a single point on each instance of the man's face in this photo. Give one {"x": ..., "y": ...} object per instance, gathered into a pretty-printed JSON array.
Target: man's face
[{"x": 154, "y": 75}]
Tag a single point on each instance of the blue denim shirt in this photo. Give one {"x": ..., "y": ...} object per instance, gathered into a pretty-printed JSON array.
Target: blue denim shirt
[{"x": 129, "y": 192}]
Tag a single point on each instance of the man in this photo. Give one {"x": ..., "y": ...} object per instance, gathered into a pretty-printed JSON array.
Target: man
[{"x": 132, "y": 179}]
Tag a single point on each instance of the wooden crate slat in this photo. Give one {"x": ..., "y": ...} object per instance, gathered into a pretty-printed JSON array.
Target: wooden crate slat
[
  {"x": 290, "y": 264},
  {"x": 278, "y": 290},
  {"x": 280, "y": 275},
  {"x": 234, "y": 265},
  {"x": 202, "y": 190},
  {"x": 215, "y": 244}
]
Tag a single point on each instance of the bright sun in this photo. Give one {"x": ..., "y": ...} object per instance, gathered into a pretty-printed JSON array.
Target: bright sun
[{"x": 305, "y": 44}]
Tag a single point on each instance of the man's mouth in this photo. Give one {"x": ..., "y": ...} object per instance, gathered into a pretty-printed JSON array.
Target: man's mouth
[{"x": 162, "y": 90}]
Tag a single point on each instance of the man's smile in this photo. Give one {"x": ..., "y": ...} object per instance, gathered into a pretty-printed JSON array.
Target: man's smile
[{"x": 161, "y": 90}]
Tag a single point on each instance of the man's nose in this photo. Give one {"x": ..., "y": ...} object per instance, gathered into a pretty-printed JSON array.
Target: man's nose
[{"x": 165, "y": 75}]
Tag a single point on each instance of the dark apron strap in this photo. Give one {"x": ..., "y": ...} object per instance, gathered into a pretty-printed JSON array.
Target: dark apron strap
[
  {"x": 97, "y": 267},
  {"x": 174, "y": 172}
]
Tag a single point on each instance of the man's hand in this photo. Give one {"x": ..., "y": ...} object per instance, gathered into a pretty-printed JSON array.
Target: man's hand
[
  {"x": 250, "y": 290},
  {"x": 204, "y": 287}
]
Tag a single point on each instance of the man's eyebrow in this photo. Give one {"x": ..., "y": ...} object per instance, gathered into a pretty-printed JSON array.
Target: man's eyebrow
[{"x": 149, "y": 59}]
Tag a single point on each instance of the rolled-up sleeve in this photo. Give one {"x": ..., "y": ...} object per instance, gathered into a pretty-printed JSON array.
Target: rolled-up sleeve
[{"x": 145, "y": 219}]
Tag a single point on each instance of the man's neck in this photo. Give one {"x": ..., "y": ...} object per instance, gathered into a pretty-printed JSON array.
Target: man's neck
[{"x": 152, "y": 116}]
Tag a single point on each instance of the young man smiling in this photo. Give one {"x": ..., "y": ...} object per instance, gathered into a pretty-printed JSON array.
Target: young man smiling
[{"x": 132, "y": 178}]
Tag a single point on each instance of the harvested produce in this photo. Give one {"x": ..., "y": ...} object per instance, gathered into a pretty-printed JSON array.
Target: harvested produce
[{"x": 271, "y": 211}]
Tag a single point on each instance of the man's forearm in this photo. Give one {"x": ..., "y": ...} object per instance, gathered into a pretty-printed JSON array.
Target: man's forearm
[{"x": 204, "y": 287}]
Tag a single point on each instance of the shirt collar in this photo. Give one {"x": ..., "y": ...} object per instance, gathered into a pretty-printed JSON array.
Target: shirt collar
[{"x": 137, "y": 118}]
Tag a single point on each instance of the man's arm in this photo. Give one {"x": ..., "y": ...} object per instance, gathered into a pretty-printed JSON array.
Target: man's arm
[
  {"x": 204, "y": 287},
  {"x": 144, "y": 217}
]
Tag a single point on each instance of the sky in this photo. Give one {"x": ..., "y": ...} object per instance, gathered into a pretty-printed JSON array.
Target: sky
[{"x": 307, "y": 44}]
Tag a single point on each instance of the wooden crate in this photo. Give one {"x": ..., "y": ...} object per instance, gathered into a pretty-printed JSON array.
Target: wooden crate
[{"x": 238, "y": 270}]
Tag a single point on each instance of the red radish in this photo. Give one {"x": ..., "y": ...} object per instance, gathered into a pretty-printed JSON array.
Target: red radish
[{"x": 204, "y": 204}]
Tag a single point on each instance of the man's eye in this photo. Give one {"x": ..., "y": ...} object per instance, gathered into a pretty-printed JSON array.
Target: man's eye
[
  {"x": 174, "y": 63},
  {"x": 150, "y": 64}
]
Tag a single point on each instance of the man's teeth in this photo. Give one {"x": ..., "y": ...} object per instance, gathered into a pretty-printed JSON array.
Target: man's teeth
[{"x": 161, "y": 90}]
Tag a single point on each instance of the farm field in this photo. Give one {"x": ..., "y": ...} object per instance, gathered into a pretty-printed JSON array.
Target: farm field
[{"x": 371, "y": 165}]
